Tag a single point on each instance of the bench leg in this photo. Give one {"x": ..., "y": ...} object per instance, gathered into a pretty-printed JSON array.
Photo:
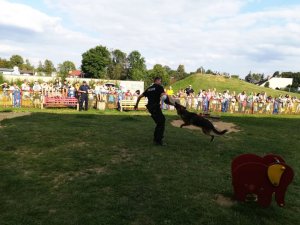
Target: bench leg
[{"x": 77, "y": 106}]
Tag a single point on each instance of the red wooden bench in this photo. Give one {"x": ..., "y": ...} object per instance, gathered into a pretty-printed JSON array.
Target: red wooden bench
[{"x": 60, "y": 102}]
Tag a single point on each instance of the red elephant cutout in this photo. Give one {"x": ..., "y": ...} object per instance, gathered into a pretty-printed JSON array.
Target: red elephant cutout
[{"x": 261, "y": 176}]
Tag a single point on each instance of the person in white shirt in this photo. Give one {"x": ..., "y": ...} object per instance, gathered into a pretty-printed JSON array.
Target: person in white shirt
[{"x": 36, "y": 87}]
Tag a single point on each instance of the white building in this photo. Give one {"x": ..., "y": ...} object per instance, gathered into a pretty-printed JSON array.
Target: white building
[
  {"x": 278, "y": 82},
  {"x": 14, "y": 71}
]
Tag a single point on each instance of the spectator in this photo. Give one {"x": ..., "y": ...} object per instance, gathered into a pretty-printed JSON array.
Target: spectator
[
  {"x": 36, "y": 87},
  {"x": 128, "y": 95},
  {"x": 65, "y": 88},
  {"x": 189, "y": 90},
  {"x": 16, "y": 94},
  {"x": 170, "y": 91},
  {"x": 71, "y": 91},
  {"x": 199, "y": 100},
  {"x": 98, "y": 91},
  {"x": 225, "y": 100},
  {"x": 242, "y": 101},
  {"x": 83, "y": 90},
  {"x": 5, "y": 89}
]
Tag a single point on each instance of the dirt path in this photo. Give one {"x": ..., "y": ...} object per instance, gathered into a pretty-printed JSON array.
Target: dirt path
[
  {"x": 231, "y": 127},
  {"x": 10, "y": 115}
]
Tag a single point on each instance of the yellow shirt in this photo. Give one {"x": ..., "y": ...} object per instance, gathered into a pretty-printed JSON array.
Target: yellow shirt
[{"x": 170, "y": 92}]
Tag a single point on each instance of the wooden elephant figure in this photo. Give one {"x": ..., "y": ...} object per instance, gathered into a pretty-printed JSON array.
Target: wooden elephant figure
[{"x": 261, "y": 176}]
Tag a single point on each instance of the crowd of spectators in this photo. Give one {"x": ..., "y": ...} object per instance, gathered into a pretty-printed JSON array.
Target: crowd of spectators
[
  {"x": 203, "y": 100},
  {"x": 226, "y": 101}
]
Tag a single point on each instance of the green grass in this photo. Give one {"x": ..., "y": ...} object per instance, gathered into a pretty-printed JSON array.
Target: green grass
[
  {"x": 65, "y": 167},
  {"x": 205, "y": 82}
]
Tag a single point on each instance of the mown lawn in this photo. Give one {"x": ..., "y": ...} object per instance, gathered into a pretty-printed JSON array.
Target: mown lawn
[{"x": 65, "y": 167}]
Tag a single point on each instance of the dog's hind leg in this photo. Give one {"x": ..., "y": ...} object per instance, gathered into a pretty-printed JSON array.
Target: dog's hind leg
[{"x": 207, "y": 132}]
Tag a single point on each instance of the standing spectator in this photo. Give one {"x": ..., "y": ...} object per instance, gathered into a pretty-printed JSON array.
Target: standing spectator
[
  {"x": 170, "y": 91},
  {"x": 97, "y": 91},
  {"x": 199, "y": 100},
  {"x": 135, "y": 95},
  {"x": 83, "y": 90},
  {"x": 36, "y": 94},
  {"x": 71, "y": 91},
  {"x": 16, "y": 94},
  {"x": 65, "y": 88},
  {"x": 189, "y": 90},
  {"x": 25, "y": 89},
  {"x": 242, "y": 101},
  {"x": 57, "y": 87},
  {"x": 44, "y": 87},
  {"x": 205, "y": 101},
  {"x": 5, "y": 89},
  {"x": 276, "y": 106},
  {"x": 36, "y": 87},
  {"x": 225, "y": 101}
]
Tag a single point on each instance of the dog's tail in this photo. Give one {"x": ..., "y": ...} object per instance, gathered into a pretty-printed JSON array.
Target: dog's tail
[{"x": 219, "y": 132}]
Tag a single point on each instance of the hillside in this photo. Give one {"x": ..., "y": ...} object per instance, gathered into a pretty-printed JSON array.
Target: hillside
[{"x": 205, "y": 81}]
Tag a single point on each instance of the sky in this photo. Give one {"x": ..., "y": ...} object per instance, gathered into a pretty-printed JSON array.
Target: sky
[{"x": 233, "y": 36}]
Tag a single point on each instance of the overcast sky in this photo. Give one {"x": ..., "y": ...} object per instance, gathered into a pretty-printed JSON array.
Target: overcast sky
[{"x": 233, "y": 36}]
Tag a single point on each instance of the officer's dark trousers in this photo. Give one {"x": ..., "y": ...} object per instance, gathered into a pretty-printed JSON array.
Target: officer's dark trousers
[
  {"x": 159, "y": 119},
  {"x": 83, "y": 98}
]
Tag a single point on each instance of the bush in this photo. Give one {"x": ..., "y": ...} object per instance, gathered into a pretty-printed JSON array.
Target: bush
[
  {"x": 1, "y": 78},
  {"x": 235, "y": 76},
  {"x": 267, "y": 84}
]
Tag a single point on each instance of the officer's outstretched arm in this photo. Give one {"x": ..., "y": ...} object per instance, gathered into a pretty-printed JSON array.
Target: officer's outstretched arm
[{"x": 137, "y": 101}]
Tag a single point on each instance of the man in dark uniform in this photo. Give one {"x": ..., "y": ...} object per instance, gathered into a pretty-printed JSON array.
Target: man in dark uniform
[
  {"x": 154, "y": 93},
  {"x": 83, "y": 89}
]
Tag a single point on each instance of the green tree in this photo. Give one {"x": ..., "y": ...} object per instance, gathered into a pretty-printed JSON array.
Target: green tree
[
  {"x": 4, "y": 63},
  {"x": 209, "y": 71},
  {"x": 267, "y": 84},
  {"x": 276, "y": 74},
  {"x": 48, "y": 67},
  {"x": 64, "y": 69},
  {"x": 95, "y": 62},
  {"x": 158, "y": 71},
  {"x": 136, "y": 66},
  {"x": 16, "y": 60},
  {"x": 200, "y": 70},
  {"x": 180, "y": 72},
  {"x": 40, "y": 67},
  {"x": 295, "y": 76},
  {"x": 27, "y": 66},
  {"x": 117, "y": 69}
]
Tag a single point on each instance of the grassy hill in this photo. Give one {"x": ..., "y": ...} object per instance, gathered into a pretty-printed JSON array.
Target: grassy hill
[{"x": 205, "y": 81}]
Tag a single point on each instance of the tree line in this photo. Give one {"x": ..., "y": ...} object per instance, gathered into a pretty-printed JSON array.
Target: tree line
[{"x": 99, "y": 62}]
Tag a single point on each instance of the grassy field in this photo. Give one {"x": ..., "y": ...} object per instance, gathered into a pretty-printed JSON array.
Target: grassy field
[
  {"x": 205, "y": 82},
  {"x": 65, "y": 167}
]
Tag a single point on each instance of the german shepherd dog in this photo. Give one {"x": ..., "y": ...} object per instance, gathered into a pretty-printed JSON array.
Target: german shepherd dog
[{"x": 190, "y": 118}]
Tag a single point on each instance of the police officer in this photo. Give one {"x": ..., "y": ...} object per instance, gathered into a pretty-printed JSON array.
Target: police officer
[
  {"x": 83, "y": 89},
  {"x": 154, "y": 93}
]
